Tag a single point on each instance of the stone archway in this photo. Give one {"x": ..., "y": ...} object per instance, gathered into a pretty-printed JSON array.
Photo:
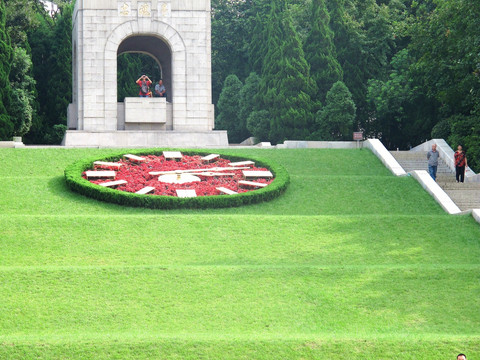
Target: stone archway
[
  {"x": 178, "y": 35},
  {"x": 162, "y": 42}
]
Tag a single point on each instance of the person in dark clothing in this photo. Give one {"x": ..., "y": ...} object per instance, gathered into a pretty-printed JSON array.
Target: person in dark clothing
[{"x": 460, "y": 164}]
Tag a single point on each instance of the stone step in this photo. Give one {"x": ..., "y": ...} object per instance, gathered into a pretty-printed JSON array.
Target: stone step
[
  {"x": 423, "y": 161},
  {"x": 453, "y": 185},
  {"x": 410, "y": 161},
  {"x": 467, "y": 207},
  {"x": 465, "y": 195},
  {"x": 467, "y": 204},
  {"x": 440, "y": 171},
  {"x": 417, "y": 161},
  {"x": 465, "y": 199},
  {"x": 409, "y": 155},
  {"x": 462, "y": 198}
]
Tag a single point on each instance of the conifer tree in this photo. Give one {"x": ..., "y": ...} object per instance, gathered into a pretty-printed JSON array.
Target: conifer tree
[
  {"x": 336, "y": 10},
  {"x": 258, "y": 123},
  {"x": 248, "y": 94},
  {"x": 62, "y": 59},
  {"x": 23, "y": 100},
  {"x": 286, "y": 86},
  {"x": 229, "y": 104},
  {"x": 257, "y": 49},
  {"x": 335, "y": 121},
  {"x": 6, "y": 54},
  {"x": 51, "y": 52},
  {"x": 320, "y": 50}
]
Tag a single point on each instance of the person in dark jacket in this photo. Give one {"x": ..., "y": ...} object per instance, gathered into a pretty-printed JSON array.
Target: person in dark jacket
[{"x": 460, "y": 164}]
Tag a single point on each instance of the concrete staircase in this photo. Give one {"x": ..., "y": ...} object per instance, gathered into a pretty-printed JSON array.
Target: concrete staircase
[{"x": 466, "y": 196}]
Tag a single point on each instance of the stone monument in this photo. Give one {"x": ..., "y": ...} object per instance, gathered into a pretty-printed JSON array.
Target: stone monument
[{"x": 177, "y": 34}]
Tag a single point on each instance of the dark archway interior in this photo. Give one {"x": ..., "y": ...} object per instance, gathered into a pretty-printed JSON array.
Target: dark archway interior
[
  {"x": 157, "y": 49},
  {"x": 129, "y": 68}
]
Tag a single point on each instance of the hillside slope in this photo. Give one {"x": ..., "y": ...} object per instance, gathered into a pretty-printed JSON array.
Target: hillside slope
[{"x": 350, "y": 263}]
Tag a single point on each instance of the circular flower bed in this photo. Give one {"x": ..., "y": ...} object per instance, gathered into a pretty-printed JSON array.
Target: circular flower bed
[
  {"x": 149, "y": 179},
  {"x": 212, "y": 176}
]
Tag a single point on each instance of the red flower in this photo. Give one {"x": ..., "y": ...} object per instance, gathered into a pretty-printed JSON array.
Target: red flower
[{"x": 138, "y": 176}]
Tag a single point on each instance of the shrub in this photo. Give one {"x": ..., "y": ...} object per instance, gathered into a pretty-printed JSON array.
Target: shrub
[{"x": 75, "y": 181}]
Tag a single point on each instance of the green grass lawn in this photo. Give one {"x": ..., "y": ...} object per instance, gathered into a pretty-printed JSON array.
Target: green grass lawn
[{"x": 350, "y": 263}]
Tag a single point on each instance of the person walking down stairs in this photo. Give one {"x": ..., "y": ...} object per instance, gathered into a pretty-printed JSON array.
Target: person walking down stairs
[
  {"x": 432, "y": 157},
  {"x": 460, "y": 164}
]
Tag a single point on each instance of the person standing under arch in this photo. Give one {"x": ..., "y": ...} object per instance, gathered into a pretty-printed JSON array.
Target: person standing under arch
[{"x": 144, "y": 83}]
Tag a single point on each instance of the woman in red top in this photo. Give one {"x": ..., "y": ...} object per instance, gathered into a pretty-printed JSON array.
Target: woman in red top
[
  {"x": 144, "y": 83},
  {"x": 460, "y": 164}
]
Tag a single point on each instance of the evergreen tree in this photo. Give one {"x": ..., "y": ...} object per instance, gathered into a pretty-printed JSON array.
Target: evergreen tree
[
  {"x": 22, "y": 16},
  {"x": 364, "y": 40},
  {"x": 403, "y": 114},
  {"x": 41, "y": 40},
  {"x": 59, "y": 83},
  {"x": 23, "y": 92},
  {"x": 6, "y": 54},
  {"x": 258, "y": 123},
  {"x": 231, "y": 32},
  {"x": 286, "y": 87},
  {"x": 258, "y": 49},
  {"x": 258, "y": 44},
  {"x": 228, "y": 106},
  {"x": 320, "y": 50},
  {"x": 335, "y": 121},
  {"x": 445, "y": 46},
  {"x": 336, "y": 11},
  {"x": 301, "y": 14},
  {"x": 248, "y": 94},
  {"x": 52, "y": 58}
]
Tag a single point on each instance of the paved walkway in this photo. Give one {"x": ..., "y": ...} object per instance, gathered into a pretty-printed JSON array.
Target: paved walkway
[{"x": 466, "y": 196}]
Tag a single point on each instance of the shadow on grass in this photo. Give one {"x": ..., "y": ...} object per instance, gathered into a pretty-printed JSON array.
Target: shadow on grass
[
  {"x": 60, "y": 192},
  {"x": 305, "y": 196}
]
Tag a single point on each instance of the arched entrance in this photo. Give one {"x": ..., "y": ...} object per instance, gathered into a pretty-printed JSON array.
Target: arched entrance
[
  {"x": 165, "y": 45},
  {"x": 158, "y": 50}
]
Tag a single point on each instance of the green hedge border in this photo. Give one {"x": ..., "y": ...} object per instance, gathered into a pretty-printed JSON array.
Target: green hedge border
[{"x": 74, "y": 180}]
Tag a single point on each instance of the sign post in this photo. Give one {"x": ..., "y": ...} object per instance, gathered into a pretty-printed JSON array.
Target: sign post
[{"x": 358, "y": 136}]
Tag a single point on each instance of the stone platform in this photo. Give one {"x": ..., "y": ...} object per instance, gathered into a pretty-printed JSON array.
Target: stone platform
[{"x": 76, "y": 138}]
